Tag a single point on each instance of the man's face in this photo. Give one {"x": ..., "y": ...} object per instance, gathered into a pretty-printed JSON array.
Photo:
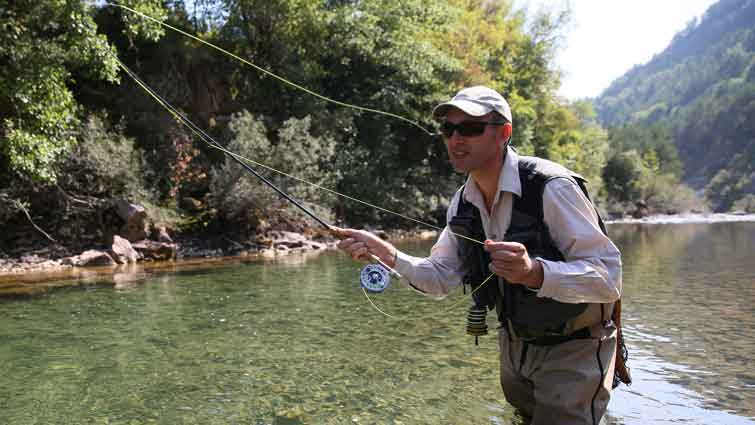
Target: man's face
[{"x": 470, "y": 153}]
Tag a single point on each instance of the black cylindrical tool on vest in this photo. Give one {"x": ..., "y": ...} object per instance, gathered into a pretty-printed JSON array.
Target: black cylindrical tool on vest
[{"x": 476, "y": 321}]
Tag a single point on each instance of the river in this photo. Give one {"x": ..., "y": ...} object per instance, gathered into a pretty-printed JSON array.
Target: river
[{"x": 295, "y": 341}]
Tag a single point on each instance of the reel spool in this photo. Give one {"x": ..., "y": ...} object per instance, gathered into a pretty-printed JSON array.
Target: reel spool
[
  {"x": 374, "y": 278},
  {"x": 476, "y": 324}
]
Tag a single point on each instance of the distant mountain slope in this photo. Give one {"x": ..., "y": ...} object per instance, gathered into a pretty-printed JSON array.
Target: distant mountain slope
[{"x": 703, "y": 87}]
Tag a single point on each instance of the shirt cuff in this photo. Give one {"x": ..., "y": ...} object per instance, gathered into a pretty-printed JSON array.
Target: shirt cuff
[
  {"x": 404, "y": 264},
  {"x": 550, "y": 279}
]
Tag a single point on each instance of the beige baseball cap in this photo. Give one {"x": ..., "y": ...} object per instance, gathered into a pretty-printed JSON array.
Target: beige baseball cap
[{"x": 475, "y": 101}]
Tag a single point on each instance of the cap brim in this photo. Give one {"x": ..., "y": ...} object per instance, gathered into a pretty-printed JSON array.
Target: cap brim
[{"x": 470, "y": 108}]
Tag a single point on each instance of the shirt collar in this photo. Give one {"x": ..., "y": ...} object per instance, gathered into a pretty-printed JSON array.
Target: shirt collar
[{"x": 508, "y": 180}]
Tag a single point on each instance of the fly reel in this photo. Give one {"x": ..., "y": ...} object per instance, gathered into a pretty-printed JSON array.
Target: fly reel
[{"x": 374, "y": 278}]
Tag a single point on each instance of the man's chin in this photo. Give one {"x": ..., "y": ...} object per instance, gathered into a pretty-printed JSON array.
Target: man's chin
[{"x": 460, "y": 167}]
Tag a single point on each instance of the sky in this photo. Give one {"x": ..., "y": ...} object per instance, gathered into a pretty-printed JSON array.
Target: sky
[{"x": 607, "y": 37}]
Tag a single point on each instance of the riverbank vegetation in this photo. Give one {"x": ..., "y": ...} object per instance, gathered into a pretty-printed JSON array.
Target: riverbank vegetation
[{"x": 77, "y": 134}]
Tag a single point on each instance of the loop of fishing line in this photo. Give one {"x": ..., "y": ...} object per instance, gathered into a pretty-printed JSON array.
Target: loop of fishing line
[
  {"x": 185, "y": 121},
  {"x": 272, "y": 74},
  {"x": 211, "y": 143},
  {"x": 241, "y": 159},
  {"x": 427, "y": 316}
]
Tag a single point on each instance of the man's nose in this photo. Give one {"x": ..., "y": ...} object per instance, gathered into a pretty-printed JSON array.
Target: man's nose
[{"x": 454, "y": 138}]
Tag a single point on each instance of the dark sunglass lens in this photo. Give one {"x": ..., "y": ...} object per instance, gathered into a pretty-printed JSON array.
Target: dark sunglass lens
[
  {"x": 447, "y": 129},
  {"x": 465, "y": 129},
  {"x": 471, "y": 128}
]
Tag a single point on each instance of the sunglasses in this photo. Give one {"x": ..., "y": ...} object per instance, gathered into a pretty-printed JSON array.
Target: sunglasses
[{"x": 466, "y": 128}]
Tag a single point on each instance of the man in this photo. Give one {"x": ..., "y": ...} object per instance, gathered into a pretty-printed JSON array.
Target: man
[{"x": 558, "y": 273}]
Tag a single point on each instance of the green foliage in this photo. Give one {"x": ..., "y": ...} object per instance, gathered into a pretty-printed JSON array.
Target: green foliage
[
  {"x": 104, "y": 163},
  {"x": 702, "y": 89},
  {"x": 644, "y": 168},
  {"x": 733, "y": 184},
  {"x": 578, "y": 143},
  {"x": 663, "y": 193},
  {"x": 136, "y": 26},
  {"x": 622, "y": 174},
  {"x": 654, "y": 144},
  {"x": 400, "y": 56},
  {"x": 44, "y": 44}
]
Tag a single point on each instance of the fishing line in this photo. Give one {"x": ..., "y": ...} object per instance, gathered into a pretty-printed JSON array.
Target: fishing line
[
  {"x": 240, "y": 159},
  {"x": 244, "y": 162},
  {"x": 270, "y": 73},
  {"x": 437, "y": 313},
  {"x": 215, "y": 145}
]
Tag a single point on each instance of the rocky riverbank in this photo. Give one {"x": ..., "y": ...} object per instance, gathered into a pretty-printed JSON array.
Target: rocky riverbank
[
  {"x": 121, "y": 252},
  {"x": 131, "y": 238},
  {"x": 128, "y": 236},
  {"x": 136, "y": 240}
]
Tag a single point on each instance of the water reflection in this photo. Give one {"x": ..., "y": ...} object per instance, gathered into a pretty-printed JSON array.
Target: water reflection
[
  {"x": 689, "y": 293},
  {"x": 295, "y": 342}
]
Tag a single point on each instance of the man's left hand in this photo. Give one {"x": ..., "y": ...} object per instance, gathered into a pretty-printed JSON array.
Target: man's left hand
[{"x": 511, "y": 261}]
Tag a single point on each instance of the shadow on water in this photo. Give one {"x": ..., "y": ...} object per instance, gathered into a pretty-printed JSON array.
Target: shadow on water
[{"x": 295, "y": 342}]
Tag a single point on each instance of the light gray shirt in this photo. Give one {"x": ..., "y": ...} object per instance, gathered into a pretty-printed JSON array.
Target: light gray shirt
[{"x": 590, "y": 272}]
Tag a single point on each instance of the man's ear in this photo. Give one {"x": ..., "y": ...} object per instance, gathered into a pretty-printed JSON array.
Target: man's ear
[{"x": 506, "y": 131}]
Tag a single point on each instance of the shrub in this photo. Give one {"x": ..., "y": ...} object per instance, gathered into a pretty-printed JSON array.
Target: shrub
[
  {"x": 103, "y": 164},
  {"x": 621, "y": 174},
  {"x": 746, "y": 204},
  {"x": 664, "y": 193},
  {"x": 244, "y": 201}
]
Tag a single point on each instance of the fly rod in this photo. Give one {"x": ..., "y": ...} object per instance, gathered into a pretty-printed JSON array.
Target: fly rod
[{"x": 210, "y": 141}]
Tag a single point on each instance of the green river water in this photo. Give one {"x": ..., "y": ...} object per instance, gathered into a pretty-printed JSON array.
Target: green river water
[{"x": 295, "y": 341}]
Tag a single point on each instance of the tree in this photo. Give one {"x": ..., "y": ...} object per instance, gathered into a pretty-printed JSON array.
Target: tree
[
  {"x": 701, "y": 89},
  {"x": 45, "y": 43}
]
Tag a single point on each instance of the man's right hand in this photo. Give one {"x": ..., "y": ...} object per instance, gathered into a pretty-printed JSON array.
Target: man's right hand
[{"x": 360, "y": 243}]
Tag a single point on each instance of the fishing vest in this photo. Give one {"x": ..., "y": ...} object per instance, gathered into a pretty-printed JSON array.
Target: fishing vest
[{"x": 530, "y": 316}]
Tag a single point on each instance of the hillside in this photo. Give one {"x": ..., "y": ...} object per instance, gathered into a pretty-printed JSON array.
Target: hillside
[{"x": 702, "y": 86}]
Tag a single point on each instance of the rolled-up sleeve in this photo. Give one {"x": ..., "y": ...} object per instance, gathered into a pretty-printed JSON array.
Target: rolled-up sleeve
[
  {"x": 442, "y": 271},
  {"x": 591, "y": 270}
]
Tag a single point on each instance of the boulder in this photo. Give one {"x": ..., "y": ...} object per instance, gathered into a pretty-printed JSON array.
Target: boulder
[
  {"x": 288, "y": 244},
  {"x": 281, "y": 235},
  {"x": 283, "y": 240},
  {"x": 122, "y": 251},
  {"x": 90, "y": 258},
  {"x": 317, "y": 245},
  {"x": 160, "y": 234},
  {"x": 135, "y": 227},
  {"x": 32, "y": 259},
  {"x": 267, "y": 253},
  {"x": 155, "y": 250}
]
